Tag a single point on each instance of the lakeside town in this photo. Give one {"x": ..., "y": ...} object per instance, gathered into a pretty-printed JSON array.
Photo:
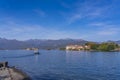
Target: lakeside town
[{"x": 90, "y": 46}]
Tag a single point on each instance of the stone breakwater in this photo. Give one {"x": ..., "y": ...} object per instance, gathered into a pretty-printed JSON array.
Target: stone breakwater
[{"x": 13, "y": 74}]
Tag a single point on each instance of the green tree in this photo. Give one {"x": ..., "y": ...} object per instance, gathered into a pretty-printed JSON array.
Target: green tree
[
  {"x": 93, "y": 45},
  {"x": 107, "y": 46}
]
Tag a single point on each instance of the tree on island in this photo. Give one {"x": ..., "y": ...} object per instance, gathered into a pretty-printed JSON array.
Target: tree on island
[
  {"x": 106, "y": 46},
  {"x": 93, "y": 45}
]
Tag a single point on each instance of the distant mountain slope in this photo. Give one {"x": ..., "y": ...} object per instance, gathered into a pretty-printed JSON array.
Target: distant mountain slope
[
  {"x": 44, "y": 44},
  {"x": 12, "y": 44},
  {"x": 117, "y": 42}
]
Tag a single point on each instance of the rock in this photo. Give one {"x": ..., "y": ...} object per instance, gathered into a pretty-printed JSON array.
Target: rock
[{"x": 13, "y": 74}]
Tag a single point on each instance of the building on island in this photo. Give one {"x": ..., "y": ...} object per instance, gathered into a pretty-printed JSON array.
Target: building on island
[
  {"x": 77, "y": 47},
  {"x": 31, "y": 49}
]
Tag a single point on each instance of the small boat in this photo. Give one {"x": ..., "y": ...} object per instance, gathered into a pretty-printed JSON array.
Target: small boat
[{"x": 36, "y": 51}]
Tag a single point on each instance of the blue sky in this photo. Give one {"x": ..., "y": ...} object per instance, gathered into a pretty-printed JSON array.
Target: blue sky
[{"x": 96, "y": 20}]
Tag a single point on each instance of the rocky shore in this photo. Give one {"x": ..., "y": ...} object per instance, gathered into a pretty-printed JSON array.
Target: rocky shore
[{"x": 13, "y": 74}]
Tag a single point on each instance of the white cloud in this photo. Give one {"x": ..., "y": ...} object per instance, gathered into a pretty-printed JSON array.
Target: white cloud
[
  {"x": 104, "y": 32},
  {"x": 40, "y": 12},
  {"x": 23, "y": 32},
  {"x": 85, "y": 10},
  {"x": 108, "y": 31},
  {"x": 105, "y": 28},
  {"x": 74, "y": 18},
  {"x": 65, "y": 5},
  {"x": 97, "y": 24}
]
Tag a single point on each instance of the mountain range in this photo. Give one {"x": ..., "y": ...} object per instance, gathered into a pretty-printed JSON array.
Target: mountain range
[{"x": 40, "y": 43}]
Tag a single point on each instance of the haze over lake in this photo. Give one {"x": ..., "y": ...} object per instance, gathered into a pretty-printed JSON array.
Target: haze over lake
[{"x": 65, "y": 65}]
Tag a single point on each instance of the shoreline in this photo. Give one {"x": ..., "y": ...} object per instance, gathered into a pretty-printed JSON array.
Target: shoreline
[{"x": 12, "y": 73}]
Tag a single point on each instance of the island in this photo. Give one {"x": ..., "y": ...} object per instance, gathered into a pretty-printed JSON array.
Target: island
[{"x": 92, "y": 46}]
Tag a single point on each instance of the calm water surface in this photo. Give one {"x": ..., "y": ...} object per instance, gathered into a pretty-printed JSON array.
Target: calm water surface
[{"x": 62, "y": 65}]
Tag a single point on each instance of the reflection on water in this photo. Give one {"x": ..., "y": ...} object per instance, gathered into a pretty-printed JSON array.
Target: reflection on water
[
  {"x": 36, "y": 58},
  {"x": 21, "y": 56},
  {"x": 62, "y": 65}
]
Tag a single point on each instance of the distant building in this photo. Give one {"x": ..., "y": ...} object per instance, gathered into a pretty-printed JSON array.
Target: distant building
[
  {"x": 28, "y": 48},
  {"x": 31, "y": 48},
  {"x": 117, "y": 49},
  {"x": 74, "y": 47},
  {"x": 77, "y": 47},
  {"x": 87, "y": 47}
]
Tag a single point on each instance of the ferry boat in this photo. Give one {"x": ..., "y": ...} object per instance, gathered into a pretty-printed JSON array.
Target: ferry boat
[{"x": 36, "y": 51}]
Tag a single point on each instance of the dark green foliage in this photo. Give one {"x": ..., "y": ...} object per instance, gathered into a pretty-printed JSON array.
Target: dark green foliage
[
  {"x": 62, "y": 48},
  {"x": 93, "y": 46},
  {"x": 108, "y": 46}
]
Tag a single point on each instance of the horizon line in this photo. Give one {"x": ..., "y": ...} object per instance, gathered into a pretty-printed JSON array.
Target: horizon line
[{"x": 56, "y": 39}]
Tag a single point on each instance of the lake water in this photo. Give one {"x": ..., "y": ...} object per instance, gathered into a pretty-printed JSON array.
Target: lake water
[{"x": 65, "y": 65}]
